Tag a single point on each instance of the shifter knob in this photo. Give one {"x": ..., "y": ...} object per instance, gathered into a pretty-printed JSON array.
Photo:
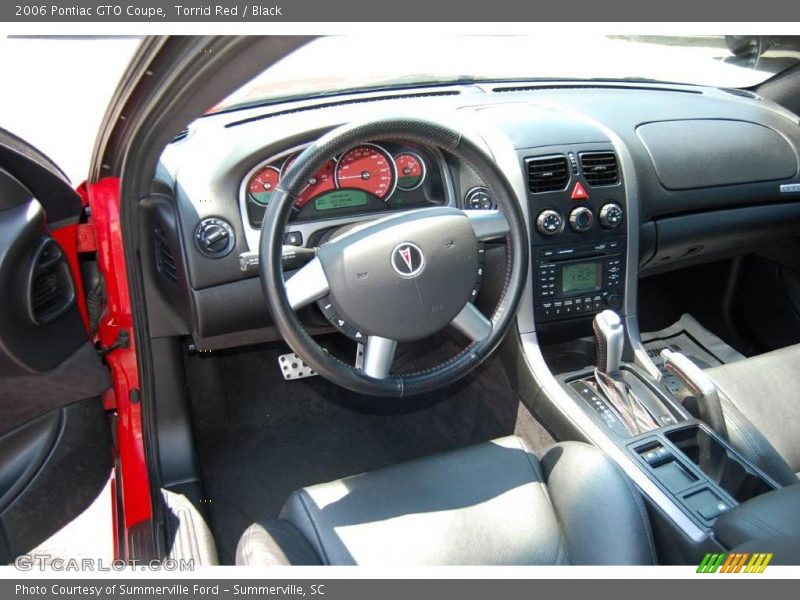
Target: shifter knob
[{"x": 609, "y": 335}]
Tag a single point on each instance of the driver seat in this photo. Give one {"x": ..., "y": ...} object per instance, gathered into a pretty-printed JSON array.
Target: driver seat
[{"x": 491, "y": 504}]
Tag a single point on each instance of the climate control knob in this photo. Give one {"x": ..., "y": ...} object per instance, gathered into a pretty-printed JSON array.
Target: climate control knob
[
  {"x": 581, "y": 219},
  {"x": 611, "y": 215},
  {"x": 549, "y": 222}
]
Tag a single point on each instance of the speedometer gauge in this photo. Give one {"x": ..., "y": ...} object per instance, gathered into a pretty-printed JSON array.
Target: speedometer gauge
[
  {"x": 262, "y": 184},
  {"x": 410, "y": 171},
  {"x": 322, "y": 181},
  {"x": 369, "y": 168}
]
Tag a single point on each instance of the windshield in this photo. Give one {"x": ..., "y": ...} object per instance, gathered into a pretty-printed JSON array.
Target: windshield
[{"x": 336, "y": 64}]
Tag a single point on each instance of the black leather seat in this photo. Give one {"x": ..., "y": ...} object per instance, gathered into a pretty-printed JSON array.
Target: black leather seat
[
  {"x": 491, "y": 504},
  {"x": 761, "y": 405}
]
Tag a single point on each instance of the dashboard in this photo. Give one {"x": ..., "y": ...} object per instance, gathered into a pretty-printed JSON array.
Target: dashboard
[{"x": 617, "y": 180}]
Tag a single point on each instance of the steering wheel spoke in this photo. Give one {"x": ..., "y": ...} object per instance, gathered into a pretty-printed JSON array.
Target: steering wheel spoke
[
  {"x": 378, "y": 356},
  {"x": 488, "y": 224},
  {"x": 471, "y": 322},
  {"x": 307, "y": 285}
]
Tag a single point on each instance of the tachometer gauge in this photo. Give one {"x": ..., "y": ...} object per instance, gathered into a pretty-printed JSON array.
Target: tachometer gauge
[
  {"x": 410, "y": 171},
  {"x": 262, "y": 185},
  {"x": 367, "y": 167},
  {"x": 322, "y": 181}
]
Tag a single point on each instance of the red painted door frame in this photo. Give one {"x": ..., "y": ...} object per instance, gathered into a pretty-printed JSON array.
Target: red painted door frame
[{"x": 131, "y": 479}]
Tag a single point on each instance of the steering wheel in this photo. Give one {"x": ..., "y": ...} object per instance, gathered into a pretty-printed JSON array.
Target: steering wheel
[{"x": 399, "y": 278}]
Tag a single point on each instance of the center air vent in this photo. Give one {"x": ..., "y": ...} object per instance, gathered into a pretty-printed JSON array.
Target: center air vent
[
  {"x": 50, "y": 291},
  {"x": 547, "y": 173},
  {"x": 165, "y": 260},
  {"x": 599, "y": 168}
]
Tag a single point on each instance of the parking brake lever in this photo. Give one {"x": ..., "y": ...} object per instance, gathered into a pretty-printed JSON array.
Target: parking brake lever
[{"x": 698, "y": 385}]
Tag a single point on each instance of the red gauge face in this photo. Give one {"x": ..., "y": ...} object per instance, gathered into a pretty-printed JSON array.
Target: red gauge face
[
  {"x": 410, "y": 171},
  {"x": 323, "y": 181},
  {"x": 263, "y": 184},
  {"x": 367, "y": 168}
]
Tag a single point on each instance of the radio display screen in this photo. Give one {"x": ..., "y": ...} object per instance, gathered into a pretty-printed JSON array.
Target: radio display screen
[{"x": 582, "y": 277}]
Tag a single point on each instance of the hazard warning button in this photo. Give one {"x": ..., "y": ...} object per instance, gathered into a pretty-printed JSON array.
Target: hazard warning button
[{"x": 579, "y": 192}]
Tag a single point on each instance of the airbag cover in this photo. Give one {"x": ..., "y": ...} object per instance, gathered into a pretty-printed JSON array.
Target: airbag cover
[
  {"x": 375, "y": 290},
  {"x": 699, "y": 153}
]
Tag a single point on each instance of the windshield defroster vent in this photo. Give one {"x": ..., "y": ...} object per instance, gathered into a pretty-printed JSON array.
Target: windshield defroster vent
[
  {"x": 547, "y": 173},
  {"x": 599, "y": 168}
]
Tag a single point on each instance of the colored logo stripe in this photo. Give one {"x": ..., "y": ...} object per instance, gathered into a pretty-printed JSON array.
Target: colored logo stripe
[{"x": 735, "y": 562}]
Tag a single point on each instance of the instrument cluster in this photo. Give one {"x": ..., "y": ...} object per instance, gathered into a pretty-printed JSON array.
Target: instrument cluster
[{"x": 369, "y": 177}]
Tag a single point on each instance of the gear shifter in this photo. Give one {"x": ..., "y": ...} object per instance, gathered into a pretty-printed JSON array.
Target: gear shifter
[
  {"x": 609, "y": 336},
  {"x": 698, "y": 385}
]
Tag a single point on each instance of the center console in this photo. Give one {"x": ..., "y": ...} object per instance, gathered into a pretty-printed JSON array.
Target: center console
[
  {"x": 584, "y": 266},
  {"x": 687, "y": 460},
  {"x": 686, "y": 468},
  {"x": 578, "y": 208}
]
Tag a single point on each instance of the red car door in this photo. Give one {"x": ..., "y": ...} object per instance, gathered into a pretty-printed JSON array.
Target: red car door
[{"x": 57, "y": 409}]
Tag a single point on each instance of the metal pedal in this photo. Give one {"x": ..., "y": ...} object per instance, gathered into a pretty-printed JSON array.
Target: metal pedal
[{"x": 293, "y": 367}]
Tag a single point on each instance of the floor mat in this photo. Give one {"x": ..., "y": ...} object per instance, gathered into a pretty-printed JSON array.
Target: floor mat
[
  {"x": 689, "y": 337},
  {"x": 274, "y": 436}
]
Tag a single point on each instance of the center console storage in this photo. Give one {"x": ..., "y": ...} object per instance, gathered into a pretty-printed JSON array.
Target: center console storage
[
  {"x": 704, "y": 474},
  {"x": 719, "y": 463}
]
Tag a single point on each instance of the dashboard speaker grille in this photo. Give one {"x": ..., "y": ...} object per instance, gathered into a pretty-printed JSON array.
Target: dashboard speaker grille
[
  {"x": 599, "y": 168},
  {"x": 547, "y": 173}
]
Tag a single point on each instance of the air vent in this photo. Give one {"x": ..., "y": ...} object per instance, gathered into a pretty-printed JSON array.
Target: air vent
[
  {"x": 180, "y": 137},
  {"x": 367, "y": 100},
  {"x": 547, "y": 173},
  {"x": 51, "y": 292},
  {"x": 741, "y": 93},
  {"x": 165, "y": 260},
  {"x": 580, "y": 86},
  {"x": 599, "y": 168}
]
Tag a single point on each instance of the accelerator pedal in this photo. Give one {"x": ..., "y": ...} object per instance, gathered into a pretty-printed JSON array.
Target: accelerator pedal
[{"x": 293, "y": 367}]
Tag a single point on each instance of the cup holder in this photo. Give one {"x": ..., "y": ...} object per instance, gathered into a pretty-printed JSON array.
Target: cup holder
[{"x": 720, "y": 464}]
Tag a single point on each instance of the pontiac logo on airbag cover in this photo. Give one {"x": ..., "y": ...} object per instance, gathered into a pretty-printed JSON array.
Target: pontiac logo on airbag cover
[{"x": 407, "y": 259}]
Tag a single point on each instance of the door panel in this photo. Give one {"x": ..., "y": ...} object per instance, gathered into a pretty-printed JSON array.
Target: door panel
[
  {"x": 55, "y": 444},
  {"x": 64, "y": 460}
]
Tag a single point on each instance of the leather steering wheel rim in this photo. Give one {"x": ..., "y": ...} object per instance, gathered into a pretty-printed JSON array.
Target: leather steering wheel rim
[{"x": 405, "y": 129}]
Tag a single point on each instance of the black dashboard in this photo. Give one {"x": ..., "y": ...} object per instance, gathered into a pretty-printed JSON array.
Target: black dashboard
[{"x": 680, "y": 174}]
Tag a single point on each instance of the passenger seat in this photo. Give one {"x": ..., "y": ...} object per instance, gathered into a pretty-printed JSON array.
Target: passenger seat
[{"x": 761, "y": 402}]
